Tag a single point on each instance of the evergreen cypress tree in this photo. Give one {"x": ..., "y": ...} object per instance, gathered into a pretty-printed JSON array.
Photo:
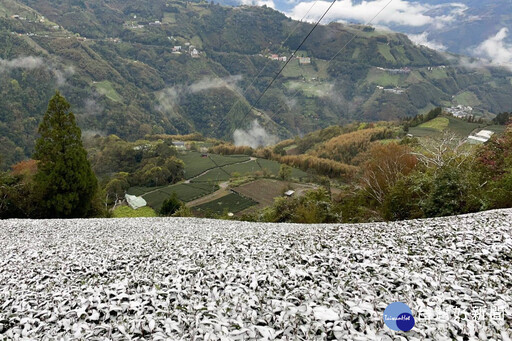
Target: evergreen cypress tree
[{"x": 65, "y": 182}]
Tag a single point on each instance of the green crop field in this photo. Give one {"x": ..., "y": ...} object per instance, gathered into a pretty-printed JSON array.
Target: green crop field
[
  {"x": 383, "y": 78},
  {"x": 243, "y": 168},
  {"x": 195, "y": 164},
  {"x": 105, "y": 88},
  {"x": 214, "y": 175},
  {"x": 155, "y": 196},
  {"x": 271, "y": 166},
  {"x": 438, "y": 123},
  {"x": 222, "y": 160},
  {"x": 461, "y": 127},
  {"x": 140, "y": 190},
  {"x": 128, "y": 212},
  {"x": 230, "y": 203}
]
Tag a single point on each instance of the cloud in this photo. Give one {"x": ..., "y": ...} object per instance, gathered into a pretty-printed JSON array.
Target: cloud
[
  {"x": 92, "y": 107},
  {"x": 213, "y": 83},
  {"x": 422, "y": 39},
  {"x": 255, "y": 137},
  {"x": 268, "y": 3},
  {"x": 61, "y": 76},
  {"x": 496, "y": 51},
  {"x": 32, "y": 63},
  {"x": 29, "y": 63},
  {"x": 169, "y": 98},
  {"x": 398, "y": 12}
]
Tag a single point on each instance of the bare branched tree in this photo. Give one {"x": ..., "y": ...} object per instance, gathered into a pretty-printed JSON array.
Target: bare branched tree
[{"x": 447, "y": 149}]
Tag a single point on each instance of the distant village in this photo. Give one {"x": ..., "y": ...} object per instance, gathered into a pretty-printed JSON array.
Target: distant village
[
  {"x": 302, "y": 60},
  {"x": 460, "y": 111}
]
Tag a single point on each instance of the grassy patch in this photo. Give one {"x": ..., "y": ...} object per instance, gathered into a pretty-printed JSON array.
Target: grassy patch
[
  {"x": 385, "y": 51},
  {"x": 383, "y": 78},
  {"x": 437, "y": 74},
  {"x": 128, "y": 212},
  {"x": 231, "y": 203},
  {"x": 438, "y": 124},
  {"x": 169, "y": 18},
  {"x": 496, "y": 128},
  {"x": 467, "y": 98},
  {"x": 435, "y": 127},
  {"x": 310, "y": 89},
  {"x": 461, "y": 127},
  {"x": 105, "y": 88}
]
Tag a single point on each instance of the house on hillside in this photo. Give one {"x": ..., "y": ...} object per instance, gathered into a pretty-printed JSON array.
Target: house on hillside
[
  {"x": 289, "y": 193},
  {"x": 194, "y": 53},
  {"x": 180, "y": 145},
  {"x": 304, "y": 60}
]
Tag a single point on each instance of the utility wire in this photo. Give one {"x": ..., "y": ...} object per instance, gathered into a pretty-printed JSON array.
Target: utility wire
[
  {"x": 282, "y": 68},
  {"x": 264, "y": 67},
  {"x": 337, "y": 53}
]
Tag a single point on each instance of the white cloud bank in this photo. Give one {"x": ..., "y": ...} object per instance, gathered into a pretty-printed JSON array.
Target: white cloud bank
[
  {"x": 255, "y": 137},
  {"x": 170, "y": 97},
  {"x": 496, "y": 51},
  {"x": 31, "y": 63},
  {"x": 268, "y": 3},
  {"x": 422, "y": 39},
  {"x": 398, "y": 12}
]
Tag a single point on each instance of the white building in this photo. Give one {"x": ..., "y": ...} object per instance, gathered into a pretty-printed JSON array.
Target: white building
[
  {"x": 481, "y": 137},
  {"x": 134, "y": 201}
]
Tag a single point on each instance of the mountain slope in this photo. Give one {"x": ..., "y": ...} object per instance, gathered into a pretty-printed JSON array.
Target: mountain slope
[{"x": 115, "y": 62}]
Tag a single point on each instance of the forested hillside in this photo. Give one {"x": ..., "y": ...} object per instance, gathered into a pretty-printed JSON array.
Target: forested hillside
[{"x": 133, "y": 68}]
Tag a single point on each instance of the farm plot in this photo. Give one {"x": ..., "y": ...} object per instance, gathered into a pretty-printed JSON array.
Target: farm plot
[
  {"x": 195, "y": 164},
  {"x": 185, "y": 279},
  {"x": 263, "y": 191},
  {"x": 214, "y": 175},
  {"x": 273, "y": 168},
  {"x": 231, "y": 203},
  {"x": 243, "y": 168},
  {"x": 185, "y": 192},
  {"x": 222, "y": 160}
]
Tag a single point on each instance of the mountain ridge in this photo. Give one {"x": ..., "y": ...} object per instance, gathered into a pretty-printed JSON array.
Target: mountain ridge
[{"x": 124, "y": 78}]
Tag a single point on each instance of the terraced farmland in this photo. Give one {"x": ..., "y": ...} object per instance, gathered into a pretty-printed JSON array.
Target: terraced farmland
[{"x": 231, "y": 203}]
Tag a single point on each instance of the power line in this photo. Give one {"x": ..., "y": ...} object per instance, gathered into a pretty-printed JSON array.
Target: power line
[
  {"x": 284, "y": 66},
  {"x": 265, "y": 66},
  {"x": 337, "y": 53}
]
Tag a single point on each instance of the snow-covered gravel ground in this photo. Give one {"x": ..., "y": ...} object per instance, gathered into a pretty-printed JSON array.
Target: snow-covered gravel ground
[{"x": 170, "y": 279}]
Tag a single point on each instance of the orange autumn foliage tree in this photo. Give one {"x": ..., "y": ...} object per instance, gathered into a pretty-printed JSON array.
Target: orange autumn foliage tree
[
  {"x": 344, "y": 148},
  {"x": 385, "y": 165},
  {"x": 25, "y": 168}
]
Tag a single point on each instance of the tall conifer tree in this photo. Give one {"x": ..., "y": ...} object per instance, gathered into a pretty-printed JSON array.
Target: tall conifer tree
[{"x": 64, "y": 181}]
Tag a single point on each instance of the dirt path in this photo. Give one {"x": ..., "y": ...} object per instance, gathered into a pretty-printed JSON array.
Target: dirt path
[{"x": 222, "y": 191}]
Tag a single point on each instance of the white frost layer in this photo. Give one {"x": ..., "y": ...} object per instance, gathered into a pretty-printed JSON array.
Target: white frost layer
[{"x": 178, "y": 278}]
